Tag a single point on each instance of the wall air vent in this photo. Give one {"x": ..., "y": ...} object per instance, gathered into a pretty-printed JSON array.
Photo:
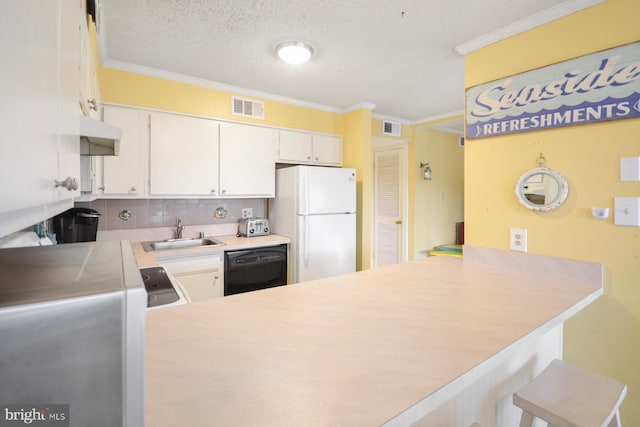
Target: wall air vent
[
  {"x": 391, "y": 128},
  {"x": 247, "y": 108}
]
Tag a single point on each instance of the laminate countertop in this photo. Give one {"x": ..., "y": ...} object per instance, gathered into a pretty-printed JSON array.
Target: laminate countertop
[{"x": 351, "y": 350}]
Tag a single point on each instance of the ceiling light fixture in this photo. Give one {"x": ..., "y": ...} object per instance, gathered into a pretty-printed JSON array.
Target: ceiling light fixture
[{"x": 294, "y": 52}]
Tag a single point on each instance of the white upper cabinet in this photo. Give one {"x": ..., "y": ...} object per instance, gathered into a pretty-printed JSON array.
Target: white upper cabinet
[
  {"x": 327, "y": 150},
  {"x": 40, "y": 112},
  {"x": 247, "y": 164},
  {"x": 295, "y": 147},
  {"x": 308, "y": 148},
  {"x": 124, "y": 176},
  {"x": 183, "y": 156}
]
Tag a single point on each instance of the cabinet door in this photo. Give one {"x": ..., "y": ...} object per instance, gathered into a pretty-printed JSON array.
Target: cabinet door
[
  {"x": 201, "y": 276},
  {"x": 327, "y": 150},
  {"x": 124, "y": 175},
  {"x": 31, "y": 116},
  {"x": 202, "y": 286},
  {"x": 294, "y": 147},
  {"x": 183, "y": 157},
  {"x": 68, "y": 111},
  {"x": 247, "y": 164}
]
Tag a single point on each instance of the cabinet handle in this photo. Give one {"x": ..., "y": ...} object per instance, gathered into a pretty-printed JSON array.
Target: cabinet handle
[
  {"x": 71, "y": 184},
  {"x": 133, "y": 189},
  {"x": 316, "y": 159},
  {"x": 93, "y": 104},
  {"x": 213, "y": 191},
  {"x": 224, "y": 191},
  {"x": 398, "y": 222},
  {"x": 308, "y": 157}
]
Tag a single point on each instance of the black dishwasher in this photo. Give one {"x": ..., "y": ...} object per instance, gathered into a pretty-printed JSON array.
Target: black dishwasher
[{"x": 254, "y": 269}]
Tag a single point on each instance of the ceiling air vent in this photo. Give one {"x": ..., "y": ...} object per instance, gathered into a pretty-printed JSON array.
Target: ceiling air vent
[
  {"x": 247, "y": 108},
  {"x": 391, "y": 128}
]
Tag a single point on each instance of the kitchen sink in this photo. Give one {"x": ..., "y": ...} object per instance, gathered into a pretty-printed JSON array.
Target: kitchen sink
[{"x": 179, "y": 243}]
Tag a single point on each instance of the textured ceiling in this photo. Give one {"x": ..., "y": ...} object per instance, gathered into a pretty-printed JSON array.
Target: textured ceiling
[{"x": 398, "y": 55}]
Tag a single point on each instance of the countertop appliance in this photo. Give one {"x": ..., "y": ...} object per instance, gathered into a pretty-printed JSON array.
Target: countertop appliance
[
  {"x": 254, "y": 269},
  {"x": 250, "y": 227},
  {"x": 76, "y": 225},
  {"x": 163, "y": 290},
  {"x": 316, "y": 208},
  {"x": 72, "y": 320}
]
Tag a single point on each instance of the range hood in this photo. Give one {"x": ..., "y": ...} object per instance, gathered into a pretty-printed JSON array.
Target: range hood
[{"x": 98, "y": 138}]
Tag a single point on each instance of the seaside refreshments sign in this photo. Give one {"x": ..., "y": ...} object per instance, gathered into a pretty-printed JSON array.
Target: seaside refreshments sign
[{"x": 593, "y": 88}]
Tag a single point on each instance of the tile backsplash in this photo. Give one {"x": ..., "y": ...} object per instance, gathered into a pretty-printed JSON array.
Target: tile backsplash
[{"x": 147, "y": 213}]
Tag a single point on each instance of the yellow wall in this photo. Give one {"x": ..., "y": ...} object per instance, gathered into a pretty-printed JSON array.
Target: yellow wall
[
  {"x": 605, "y": 337},
  {"x": 357, "y": 154},
  {"x": 124, "y": 87},
  {"x": 438, "y": 204}
]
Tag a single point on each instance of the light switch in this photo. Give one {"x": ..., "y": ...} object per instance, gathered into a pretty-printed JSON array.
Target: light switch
[
  {"x": 626, "y": 211},
  {"x": 630, "y": 169}
]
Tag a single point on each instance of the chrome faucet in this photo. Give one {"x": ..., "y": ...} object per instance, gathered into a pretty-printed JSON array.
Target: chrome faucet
[{"x": 179, "y": 229}]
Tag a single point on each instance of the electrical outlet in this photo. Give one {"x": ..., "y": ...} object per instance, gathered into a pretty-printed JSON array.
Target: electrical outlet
[
  {"x": 247, "y": 212},
  {"x": 518, "y": 239}
]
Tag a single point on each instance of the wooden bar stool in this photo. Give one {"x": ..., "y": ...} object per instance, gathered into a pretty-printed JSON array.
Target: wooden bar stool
[{"x": 564, "y": 395}]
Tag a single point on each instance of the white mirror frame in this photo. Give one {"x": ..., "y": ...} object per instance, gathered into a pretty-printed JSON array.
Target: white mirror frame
[{"x": 560, "y": 180}]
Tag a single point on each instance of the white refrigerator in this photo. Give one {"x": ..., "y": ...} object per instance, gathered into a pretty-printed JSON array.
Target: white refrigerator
[{"x": 315, "y": 207}]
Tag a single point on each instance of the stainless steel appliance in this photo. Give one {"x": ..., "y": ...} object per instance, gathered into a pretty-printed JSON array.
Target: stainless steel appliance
[
  {"x": 254, "y": 269},
  {"x": 163, "y": 290},
  {"x": 72, "y": 323},
  {"x": 250, "y": 227}
]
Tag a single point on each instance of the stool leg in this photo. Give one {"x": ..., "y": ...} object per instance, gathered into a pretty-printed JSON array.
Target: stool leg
[
  {"x": 526, "y": 420},
  {"x": 615, "y": 421}
]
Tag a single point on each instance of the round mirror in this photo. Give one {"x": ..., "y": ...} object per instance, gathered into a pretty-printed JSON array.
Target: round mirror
[{"x": 542, "y": 189}]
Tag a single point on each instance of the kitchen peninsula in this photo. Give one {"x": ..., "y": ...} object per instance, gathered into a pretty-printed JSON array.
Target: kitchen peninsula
[{"x": 438, "y": 342}]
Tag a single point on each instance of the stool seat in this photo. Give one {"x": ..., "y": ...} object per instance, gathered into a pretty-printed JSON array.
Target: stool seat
[{"x": 564, "y": 395}]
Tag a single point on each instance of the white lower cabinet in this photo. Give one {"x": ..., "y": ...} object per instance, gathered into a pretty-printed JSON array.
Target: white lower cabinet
[
  {"x": 202, "y": 286},
  {"x": 202, "y": 276}
]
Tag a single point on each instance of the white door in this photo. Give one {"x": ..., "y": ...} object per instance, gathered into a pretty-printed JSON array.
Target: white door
[
  {"x": 326, "y": 190},
  {"x": 389, "y": 200},
  {"x": 326, "y": 246}
]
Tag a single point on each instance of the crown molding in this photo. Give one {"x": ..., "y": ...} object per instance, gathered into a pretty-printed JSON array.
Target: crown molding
[
  {"x": 167, "y": 75},
  {"x": 360, "y": 106},
  {"x": 551, "y": 14},
  {"x": 453, "y": 116},
  {"x": 391, "y": 118}
]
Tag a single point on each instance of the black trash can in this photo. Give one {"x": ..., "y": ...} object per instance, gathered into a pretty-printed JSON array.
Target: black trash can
[{"x": 76, "y": 225}]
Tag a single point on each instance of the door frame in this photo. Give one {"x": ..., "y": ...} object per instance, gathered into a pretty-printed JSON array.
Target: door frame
[{"x": 386, "y": 144}]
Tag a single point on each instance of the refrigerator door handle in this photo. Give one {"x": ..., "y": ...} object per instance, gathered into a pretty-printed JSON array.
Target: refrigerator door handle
[
  {"x": 306, "y": 193},
  {"x": 305, "y": 241}
]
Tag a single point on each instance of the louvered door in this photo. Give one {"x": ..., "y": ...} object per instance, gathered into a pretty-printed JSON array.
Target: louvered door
[{"x": 388, "y": 204}]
